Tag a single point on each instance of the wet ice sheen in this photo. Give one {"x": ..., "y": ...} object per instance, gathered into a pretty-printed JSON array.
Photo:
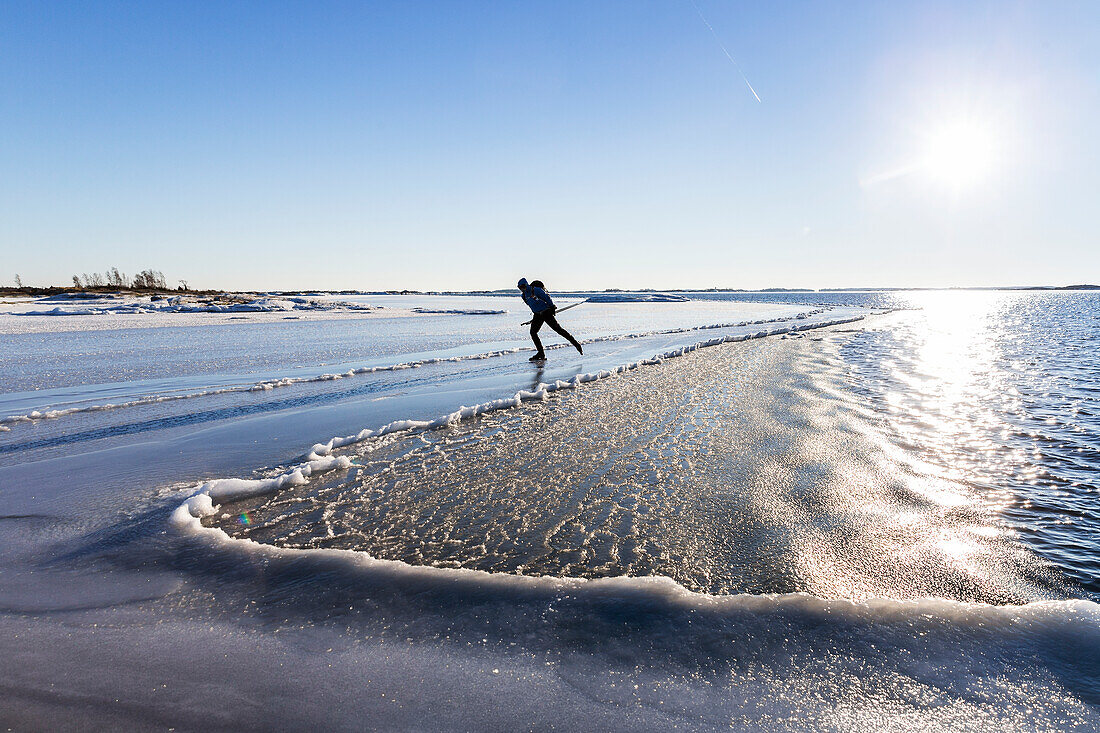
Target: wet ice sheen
[{"x": 728, "y": 471}]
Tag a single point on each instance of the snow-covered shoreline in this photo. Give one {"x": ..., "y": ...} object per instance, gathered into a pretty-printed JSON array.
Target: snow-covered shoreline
[
  {"x": 97, "y": 304},
  {"x": 111, "y": 311}
]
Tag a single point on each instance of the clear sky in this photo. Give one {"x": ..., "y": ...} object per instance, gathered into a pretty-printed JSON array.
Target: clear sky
[{"x": 459, "y": 145}]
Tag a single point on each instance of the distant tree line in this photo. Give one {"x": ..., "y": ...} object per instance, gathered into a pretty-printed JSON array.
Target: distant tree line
[{"x": 112, "y": 278}]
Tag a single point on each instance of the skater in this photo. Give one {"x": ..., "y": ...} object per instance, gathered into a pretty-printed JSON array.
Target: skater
[{"x": 536, "y": 297}]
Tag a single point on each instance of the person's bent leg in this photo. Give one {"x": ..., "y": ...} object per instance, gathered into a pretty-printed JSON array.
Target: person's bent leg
[{"x": 553, "y": 322}]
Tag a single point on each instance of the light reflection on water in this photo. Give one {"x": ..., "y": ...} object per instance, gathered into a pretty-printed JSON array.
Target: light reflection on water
[{"x": 998, "y": 392}]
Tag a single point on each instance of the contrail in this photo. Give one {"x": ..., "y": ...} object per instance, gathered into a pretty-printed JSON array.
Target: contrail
[
  {"x": 889, "y": 175},
  {"x": 723, "y": 47}
]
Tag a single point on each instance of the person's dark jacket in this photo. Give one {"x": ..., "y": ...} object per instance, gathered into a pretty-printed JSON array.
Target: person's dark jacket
[{"x": 537, "y": 299}]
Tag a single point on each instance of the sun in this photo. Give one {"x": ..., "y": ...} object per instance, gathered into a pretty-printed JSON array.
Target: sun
[
  {"x": 953, "y": 150},
  {"x": 960, "y": 153}
]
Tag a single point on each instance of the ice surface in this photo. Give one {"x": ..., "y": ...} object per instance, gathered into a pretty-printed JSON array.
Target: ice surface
[
  {"x": 320, "y": 458},
  {"x": 265, "y": 386},
  {"x": 208, "y": 625},
  {"x": 636, "y": 298},
  {"x": 42, "y": 412},
  {"x": 459, "y": 311}
]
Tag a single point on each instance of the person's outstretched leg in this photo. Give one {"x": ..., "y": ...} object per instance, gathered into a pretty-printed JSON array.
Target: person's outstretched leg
[
  {"x": 557, "y": 327},
  {"x": 536, "y": 324}
]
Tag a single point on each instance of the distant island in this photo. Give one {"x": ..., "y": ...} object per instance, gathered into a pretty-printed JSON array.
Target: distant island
[
  {"x": 158, "y": 287},
  {"x": 990, "y": 287}
]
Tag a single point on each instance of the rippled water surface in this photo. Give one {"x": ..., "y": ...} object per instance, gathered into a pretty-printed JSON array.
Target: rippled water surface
[{"x": 999, "y": 393}]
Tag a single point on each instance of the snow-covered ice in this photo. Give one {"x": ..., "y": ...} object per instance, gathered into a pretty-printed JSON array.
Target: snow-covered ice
[{"x": 120, "y": 304}]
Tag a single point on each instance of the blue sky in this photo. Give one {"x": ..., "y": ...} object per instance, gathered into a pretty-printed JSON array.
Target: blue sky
[{"x": 458, "y": 145}]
